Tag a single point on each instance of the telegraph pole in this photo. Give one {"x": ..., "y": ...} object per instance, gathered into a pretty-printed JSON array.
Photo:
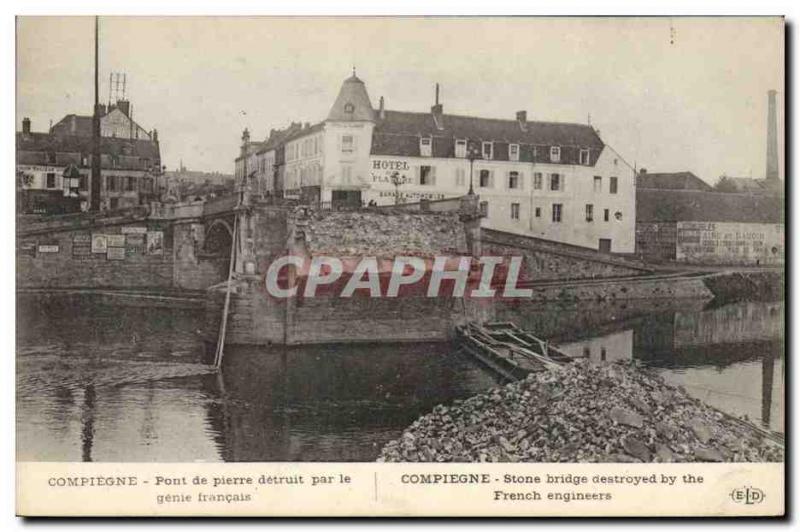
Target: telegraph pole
[{"x": 94, "y": 202}]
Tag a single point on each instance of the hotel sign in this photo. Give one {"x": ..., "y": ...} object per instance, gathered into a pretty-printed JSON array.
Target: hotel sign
[{"x": 384, "y": 171}]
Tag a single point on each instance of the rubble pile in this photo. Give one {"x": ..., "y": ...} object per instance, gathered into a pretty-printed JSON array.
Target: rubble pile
[
  {"x": 383, "y": 234},
  {"x": 581, "y": 412}
]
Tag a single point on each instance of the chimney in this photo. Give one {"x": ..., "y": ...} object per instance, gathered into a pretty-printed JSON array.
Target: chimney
[
  {"x": 437, "y": 111},
  {"x": 522, "y": 118},
  {"x": 381, "y": 110},
  {"x": 73, "y": 124},
  {"x": 124, "y": 106},
  {"x": 26, "y": 125},
  {"x": 773, "y": 173},
  {"x": 155, "y": 135}
]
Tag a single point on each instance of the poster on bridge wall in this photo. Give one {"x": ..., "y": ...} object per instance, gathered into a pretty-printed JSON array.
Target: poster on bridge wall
[
  {"x": 99, "y": 243},
  {"x": 155, "y": 243}
]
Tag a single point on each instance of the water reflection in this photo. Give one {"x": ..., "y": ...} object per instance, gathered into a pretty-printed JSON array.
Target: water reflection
[
  {"x": 98, "y": 382},
  {"x": 333, "y": 403}
]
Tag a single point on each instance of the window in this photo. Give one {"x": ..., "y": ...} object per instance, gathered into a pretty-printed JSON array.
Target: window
[
  {"x": 612, "y": 185},
  {"x": 460, "y": 177},
  {"x": 425, "y": 144},
  {"x": 348, "y": 143},
  {"x": 555, "y": 154},
  {"x": 51, "y": 158},
  {"x": 589, "y": 212},
  {"x": 555, "y": 181},
  {"x": 618, "y": 215},
  {"x": 427, "y": 175},
  {"x": 513, "y": 152},
  {"x": 538, "y": 212},
  {"x": 114, "y": 203},
  {"x": 129, "y": 182},
  {"x": 605, "y": 215},
  {"x": 584, "y": 157},
  {"x": 513, "y": 179},
  {"x": 537, "y": 180},
  {"x": 82, "y": 182},
  {"x": 515, "y": 211},
  {"x": 461, "y": 148},
  {"x": 51, "y": 180},
  {"x": 485, "y": 179},
  {"x": 487, "y": 149},
  {"x": 111, "y": 183},
  {"x": 598, "y": 183},
  {"x": 484, "y": 206},
  {"x": 347, "y": 174},
  {"x": 557, "y": 212}
]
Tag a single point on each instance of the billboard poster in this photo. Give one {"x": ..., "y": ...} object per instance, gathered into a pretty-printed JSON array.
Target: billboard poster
[
  {"x": 155, "y": 243},
  {"x": 115, "y": 241},
  {"x": 99, "y": 243},
  {"x": 115, "y": 254}
]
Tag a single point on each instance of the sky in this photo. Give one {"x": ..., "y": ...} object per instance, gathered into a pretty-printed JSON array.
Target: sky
[{"x": 668, "y": 94}]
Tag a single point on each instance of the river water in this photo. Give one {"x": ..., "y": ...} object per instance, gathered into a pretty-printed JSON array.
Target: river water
[{"x": 106, "y": 382}]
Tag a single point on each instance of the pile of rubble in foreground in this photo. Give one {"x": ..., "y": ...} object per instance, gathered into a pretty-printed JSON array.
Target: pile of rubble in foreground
[{"x": 581, "y": 413}]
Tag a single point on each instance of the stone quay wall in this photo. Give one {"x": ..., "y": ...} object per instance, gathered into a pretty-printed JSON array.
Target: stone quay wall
[
  {"x": 121, "y": 250},
  {"x": 65, "y": 252}
]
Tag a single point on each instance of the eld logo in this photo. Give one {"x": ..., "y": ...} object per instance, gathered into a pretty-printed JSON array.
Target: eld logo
[{"x": 747, "y": 495}]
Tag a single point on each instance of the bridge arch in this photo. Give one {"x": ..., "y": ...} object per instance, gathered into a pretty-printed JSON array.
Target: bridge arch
[{"x": 218, "y": 239}]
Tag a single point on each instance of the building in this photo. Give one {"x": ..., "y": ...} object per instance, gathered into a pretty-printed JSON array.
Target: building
[
  {"x": 557, "y": 181},
  {"x": 709, "y": 227},
  {"x": 116, "y": 120},
  {"x": 54, "y": 170},
  {"x": 671, "y": 181},
  {"x": 189, "y": 185}
]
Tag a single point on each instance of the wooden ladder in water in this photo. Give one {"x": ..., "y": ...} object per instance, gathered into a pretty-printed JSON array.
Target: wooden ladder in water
[{"x": 220, "y": 351}]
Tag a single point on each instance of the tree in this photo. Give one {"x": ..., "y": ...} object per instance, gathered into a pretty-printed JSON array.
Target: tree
[{"x": 725, "y": 184}]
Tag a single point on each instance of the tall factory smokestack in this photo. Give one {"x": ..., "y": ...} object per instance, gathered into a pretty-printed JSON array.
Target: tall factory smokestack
[
  {"x": 773, "y": 173},
  {"x": 94, "y": 198}
]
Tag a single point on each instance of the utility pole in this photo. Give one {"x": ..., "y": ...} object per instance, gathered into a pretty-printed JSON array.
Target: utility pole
[{"x": 94, "y": 202}]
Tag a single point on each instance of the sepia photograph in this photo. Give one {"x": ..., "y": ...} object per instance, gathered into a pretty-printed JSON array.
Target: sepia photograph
[{"x": 460, "y": 241}]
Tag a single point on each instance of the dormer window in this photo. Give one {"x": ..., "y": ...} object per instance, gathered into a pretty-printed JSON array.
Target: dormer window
[
  {"x": 461, "y": 148},
  {"x": 584, "y": 157},
  {"x": 349, "y": 108},
  {"x": 487, "y": 149},
  {"x": 555, "y": 154},
  {"x": 513, "y": 152},
  {"x": 425, "y": 146}
]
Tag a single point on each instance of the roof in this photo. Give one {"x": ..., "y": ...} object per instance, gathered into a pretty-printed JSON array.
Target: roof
[
  {"x": 672, "y": 181},
  {"x": 32, "y": 148},
  {"x": 656, "y": 205},
  {"x": 83, "y": 126},
  {"x": 352, "y": 103},
  {"x": 398, "y": 133}
]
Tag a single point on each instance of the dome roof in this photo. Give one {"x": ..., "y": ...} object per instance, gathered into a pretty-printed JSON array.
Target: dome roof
[{"x": 352, "y": 103}]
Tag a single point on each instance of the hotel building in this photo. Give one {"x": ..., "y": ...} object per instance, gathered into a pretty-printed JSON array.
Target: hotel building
[{"x": 557, "y": 181}]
